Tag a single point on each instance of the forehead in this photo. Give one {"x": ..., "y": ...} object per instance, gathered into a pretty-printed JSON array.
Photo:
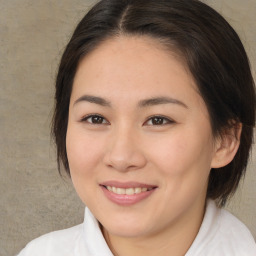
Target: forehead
[
  {"x": 138, "y": 66},
  {"x": 135, "y": 49}
]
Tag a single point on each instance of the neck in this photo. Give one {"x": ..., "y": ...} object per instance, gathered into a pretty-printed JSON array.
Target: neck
[{"x": 173, "y": 240}]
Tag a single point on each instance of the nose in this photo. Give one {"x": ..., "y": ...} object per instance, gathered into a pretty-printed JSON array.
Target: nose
[{"x": 124, "y": 151}]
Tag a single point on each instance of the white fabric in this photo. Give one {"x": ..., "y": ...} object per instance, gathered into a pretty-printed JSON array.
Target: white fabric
[{"x": 221, "y": 234}]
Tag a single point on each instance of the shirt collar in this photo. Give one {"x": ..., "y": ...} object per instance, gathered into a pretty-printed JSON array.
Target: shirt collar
[{"x": 93, "y": 237}]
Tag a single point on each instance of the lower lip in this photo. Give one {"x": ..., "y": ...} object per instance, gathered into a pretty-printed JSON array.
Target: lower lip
[{"x": 126, "y": 200}]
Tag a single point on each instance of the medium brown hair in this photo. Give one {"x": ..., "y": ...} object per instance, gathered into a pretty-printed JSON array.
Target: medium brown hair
[{"x": 213, "y": 53}]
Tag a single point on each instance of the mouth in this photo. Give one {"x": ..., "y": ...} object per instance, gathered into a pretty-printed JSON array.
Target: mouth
[{"x": 127, "y": 193}]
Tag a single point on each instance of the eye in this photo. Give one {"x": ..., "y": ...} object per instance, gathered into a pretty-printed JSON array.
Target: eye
[
  {"x": 95, "y": 119},
  {"x": 158, "y": 120}
]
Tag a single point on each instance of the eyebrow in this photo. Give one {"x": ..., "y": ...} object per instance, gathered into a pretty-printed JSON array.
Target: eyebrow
[
  {"x": 143, "y": 103},
  {"x": 94, "y": 99},
  {"x": 161, "y": 100}
]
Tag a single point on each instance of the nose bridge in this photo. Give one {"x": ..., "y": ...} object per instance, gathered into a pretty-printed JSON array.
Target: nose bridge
[{"x": 124, "y": 152}]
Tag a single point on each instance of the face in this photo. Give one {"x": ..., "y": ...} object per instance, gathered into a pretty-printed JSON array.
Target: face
[{"x": 139, "y": 141}]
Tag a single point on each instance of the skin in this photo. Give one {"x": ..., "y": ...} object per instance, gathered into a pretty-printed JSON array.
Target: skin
[{"x": 175, "y": 155}]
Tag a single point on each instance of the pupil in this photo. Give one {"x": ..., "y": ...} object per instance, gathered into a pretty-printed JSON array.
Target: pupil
[
  {"x": 157, "y": 120},
  {"x": 97, "y": 119}
]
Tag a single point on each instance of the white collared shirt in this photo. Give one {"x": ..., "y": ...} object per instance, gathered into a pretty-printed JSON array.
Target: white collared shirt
[{"x": 221, "y": 234}]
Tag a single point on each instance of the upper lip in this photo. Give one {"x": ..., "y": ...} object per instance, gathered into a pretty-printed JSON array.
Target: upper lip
[{"x": 128, "y": 184}]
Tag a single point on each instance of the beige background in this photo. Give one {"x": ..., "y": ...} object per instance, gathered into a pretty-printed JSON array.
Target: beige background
[{"x": 34, "y": 199}]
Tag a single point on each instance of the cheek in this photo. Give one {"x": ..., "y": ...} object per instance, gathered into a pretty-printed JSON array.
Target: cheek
[
  {"x": 184, "y": 165},
  {"x": 83, "y": 152},
  {"x": 185, "y": 153}
]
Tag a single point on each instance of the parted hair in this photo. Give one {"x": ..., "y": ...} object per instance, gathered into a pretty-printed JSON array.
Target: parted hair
[{"x": 212, "y": 52}]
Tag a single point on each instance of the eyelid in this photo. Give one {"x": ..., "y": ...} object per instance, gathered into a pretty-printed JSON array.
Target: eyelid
[
  {"x": 168, "y": 119},
  {"x": 86, "y": 117}
]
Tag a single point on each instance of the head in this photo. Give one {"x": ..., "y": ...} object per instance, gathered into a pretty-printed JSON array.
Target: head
[{"x": 203, "y": 41}]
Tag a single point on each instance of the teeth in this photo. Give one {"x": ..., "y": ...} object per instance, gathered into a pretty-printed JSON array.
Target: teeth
[
  {"x": 137, "y": 190},
  {"x": 120, "y": 191},
  {"x": 127, "y": 191}
]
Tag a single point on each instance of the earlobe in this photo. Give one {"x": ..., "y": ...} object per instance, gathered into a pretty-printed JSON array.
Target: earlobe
[{"x": 226, "y": 146}]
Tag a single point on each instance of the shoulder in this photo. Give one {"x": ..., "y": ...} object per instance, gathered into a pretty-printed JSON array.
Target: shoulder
[
  {"x": 222, "y": 233},
  {"x": 85, "y": 239},
  {"x": 235, "y": 234},
  {"x": 57, "y": 243}
]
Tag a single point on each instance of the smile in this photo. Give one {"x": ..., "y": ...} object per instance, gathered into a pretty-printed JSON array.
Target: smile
[
  {"x": 126, "y": 194},
  {"x": 127, "y": 191}
]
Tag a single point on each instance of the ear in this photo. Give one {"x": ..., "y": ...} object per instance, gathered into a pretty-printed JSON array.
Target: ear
[{"x": 226, "y": 145}]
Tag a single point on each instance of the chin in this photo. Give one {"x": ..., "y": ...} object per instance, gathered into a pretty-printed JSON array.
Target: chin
[
  {"x": 126, "y": 229},
  {"x": 128, "y": 232}
]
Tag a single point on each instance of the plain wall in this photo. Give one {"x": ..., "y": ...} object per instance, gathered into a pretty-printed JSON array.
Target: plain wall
[{"x": 34, "y": 199}]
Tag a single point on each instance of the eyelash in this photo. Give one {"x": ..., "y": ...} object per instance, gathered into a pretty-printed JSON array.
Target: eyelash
[
  {"x": 86, "y": 118},
  {"x": 163, "y": 120}
]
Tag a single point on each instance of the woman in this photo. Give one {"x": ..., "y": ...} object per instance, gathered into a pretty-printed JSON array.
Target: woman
[{"x": 154, "y": 117}]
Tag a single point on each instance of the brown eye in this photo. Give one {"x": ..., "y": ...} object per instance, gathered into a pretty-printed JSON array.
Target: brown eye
[
  {"x": 95, "y": 119},
  {"x": 158, "y": 120}
]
